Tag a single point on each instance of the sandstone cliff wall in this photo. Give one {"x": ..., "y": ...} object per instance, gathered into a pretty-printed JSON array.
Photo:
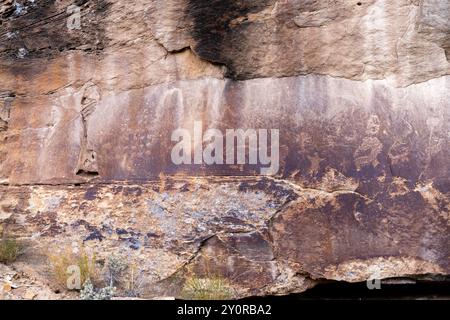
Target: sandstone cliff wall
[{"x": 360, "y": 92}]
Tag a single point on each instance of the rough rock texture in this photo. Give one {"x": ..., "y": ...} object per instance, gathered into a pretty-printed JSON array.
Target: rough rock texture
[
  {"x": 18, "y": 285},
  {"x": 404, "y": 41},
  {"x": 360, "y": 92}
]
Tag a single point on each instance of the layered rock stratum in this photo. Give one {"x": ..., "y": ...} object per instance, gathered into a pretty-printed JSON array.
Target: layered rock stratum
[{"x": 360, "y": 92}]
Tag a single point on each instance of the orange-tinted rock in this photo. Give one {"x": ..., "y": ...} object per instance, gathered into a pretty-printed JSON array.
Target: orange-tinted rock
[{"x": 360, "y": 94}]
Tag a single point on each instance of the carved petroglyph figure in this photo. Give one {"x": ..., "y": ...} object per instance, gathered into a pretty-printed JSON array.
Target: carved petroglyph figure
[{"x": 87, "y": 162}]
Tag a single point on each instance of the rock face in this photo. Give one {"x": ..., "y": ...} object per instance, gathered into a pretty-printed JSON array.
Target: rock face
[{"x": 360, "y": 94}]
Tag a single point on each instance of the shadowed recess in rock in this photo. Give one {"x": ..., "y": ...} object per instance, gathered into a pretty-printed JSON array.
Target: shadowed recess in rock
[{"x": 214, "y": 30}]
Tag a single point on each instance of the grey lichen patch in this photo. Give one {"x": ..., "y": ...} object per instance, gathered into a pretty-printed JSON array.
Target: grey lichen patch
[{"x": 380, "y": 268}]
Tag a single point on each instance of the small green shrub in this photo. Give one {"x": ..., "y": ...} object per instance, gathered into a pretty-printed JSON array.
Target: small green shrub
[
  {"x": 88, "y": 292},
  {"x": 10, "y": 249},
  {"x": 115, "y": 268},
  {"x": 123, "y": 276},
  {"x": 207, "y": 289}
]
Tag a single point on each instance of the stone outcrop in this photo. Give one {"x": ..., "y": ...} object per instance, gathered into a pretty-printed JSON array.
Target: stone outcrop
[{"x": 360, "y": 92}]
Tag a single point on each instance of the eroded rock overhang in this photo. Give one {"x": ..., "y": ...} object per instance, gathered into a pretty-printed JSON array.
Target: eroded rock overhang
[{"x": 363, "y": 186}]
